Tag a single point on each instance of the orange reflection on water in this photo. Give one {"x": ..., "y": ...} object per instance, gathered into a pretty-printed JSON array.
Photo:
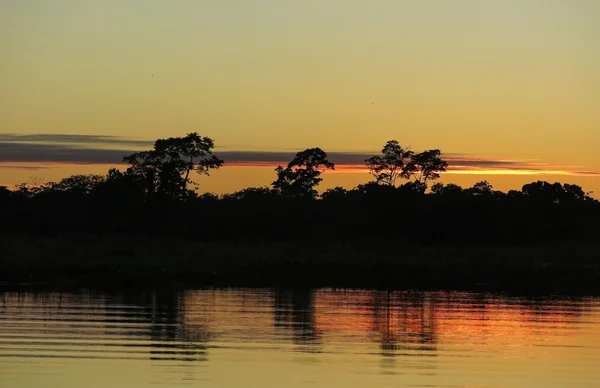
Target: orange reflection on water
[
  {"x": 272, "y": 337},
  {"x": 413, "y": 320}
]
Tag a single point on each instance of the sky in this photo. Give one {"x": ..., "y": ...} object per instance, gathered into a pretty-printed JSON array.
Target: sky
[{"x": 514, "y": 83}]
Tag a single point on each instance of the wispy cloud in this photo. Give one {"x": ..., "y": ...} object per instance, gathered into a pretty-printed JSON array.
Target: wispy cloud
[
  {"x": 519, "y": 170},
  {"x": 79, "y": 140},
  {"x": 24, "y": 167},
  {"x": 27, "y": 151},
  {"x": 50, "y": 153},
  {"x": 348, "y": 162}
]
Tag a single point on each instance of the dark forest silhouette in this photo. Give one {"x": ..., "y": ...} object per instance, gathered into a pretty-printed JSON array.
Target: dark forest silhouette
[
  {"x": 296, "y": 232},
  {"x": 156, "y": 195}
]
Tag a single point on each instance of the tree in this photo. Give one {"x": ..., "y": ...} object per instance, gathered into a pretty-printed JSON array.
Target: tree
[
  {"x": 250, "y": 194},
  {"x": 374, "y": 192},
  {"x": 573, "y": 192},
  {"x": 4, "y": 194},
  {"x": 446, "y": 190},
  {"x": 165, "y": 170},
  {"x": 119, "y": 189},
  {"x": 481, "y": 188},
  {"x": 208, "y": 197},
  {"x": 545, "y": 191},
  {"x": 34, "y": 186},
  {"x": 514, "y": 194},
  {"x": 425, "y": 166},
  {"x": 79, "y": 183},
  {"x": 27, "y": 190},
  {"x": 589, "y": 198},
  {"x": 389, "y": 166},
  {"x": 338, "y": 193},
  {"x": 412, "y": 187},
  {"x": 554, "y": 192},
  {"x": 302, "y": 174}
]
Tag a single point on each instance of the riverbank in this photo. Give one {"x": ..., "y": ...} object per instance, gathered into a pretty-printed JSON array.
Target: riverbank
[{"x": 109, "y": 261}]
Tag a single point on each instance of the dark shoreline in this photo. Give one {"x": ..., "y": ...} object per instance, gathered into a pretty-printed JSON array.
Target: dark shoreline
[{"x": 112, "y": 262}]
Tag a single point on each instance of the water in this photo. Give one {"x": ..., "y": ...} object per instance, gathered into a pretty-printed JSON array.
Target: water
[{"x": 322, "y": 338}]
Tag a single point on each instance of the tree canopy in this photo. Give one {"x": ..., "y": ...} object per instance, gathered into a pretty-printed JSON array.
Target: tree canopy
[
  {"x": 302, "y": 174},
  {"x": 425, "y": 166},
  {"x": 389, "y": 166},
  {"x": 152, "y": 197},
  {"x": 164, "y": 171}
]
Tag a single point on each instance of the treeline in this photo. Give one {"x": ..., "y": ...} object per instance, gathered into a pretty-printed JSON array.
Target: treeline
[{"x": 155, "y": 196}]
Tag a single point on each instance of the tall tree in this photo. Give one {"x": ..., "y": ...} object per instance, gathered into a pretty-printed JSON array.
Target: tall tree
[
  {"x": 425, "y": 166},
  {"x": 389, "y": 166},
  {"x": 165, "y": 169},
  {"x": 302, "y": 174}
]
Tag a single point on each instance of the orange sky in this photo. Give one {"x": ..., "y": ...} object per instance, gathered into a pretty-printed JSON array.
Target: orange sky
[
  {"x": 233, "y": 178},
  {"x": 510, "y": 80}
]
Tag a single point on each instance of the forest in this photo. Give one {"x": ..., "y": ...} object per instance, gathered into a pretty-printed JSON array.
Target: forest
[
  {"x": 154, "y": 199},
  {"x": 156, "y": 196}
]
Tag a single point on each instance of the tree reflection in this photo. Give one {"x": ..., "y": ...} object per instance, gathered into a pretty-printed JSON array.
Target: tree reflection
[
  {"x": 294, "y": 313},
  {"x": 171, "y": 339},
  {"x": 405, "y": 323}
]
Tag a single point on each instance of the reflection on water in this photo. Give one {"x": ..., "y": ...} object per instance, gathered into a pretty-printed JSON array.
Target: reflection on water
[
  {"x": 274, "y": 338},
  {"x": 294, "y": 313}
]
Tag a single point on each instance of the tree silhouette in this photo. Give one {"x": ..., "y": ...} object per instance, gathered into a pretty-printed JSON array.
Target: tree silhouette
[
  {"x": 302, "y": 174},
  {"x": 335, "y": 194},
  {"x": 446, "y": 190},
  {"x": 5, "y": 194},
  {"x": 120, "y": 188},
  {"x": 573, "y": 192},
  {"x": 389, "y": 166},
  {"x": 481, "y": 188},
  {"x": 165, "y": 170},
  {"x": 152, "y": 198},
  {"x": 36, "y": 181},
  {"x": 554, "y": 192},
  {"x": 79, "y": 183},
  {"x": 425, "y": 166},
  {"x": 413, "y": 187},
  {"x": 250, "y": 194}
]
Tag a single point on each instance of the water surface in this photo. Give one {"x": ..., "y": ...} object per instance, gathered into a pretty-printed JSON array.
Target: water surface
[{"x": 310, "y": 338}]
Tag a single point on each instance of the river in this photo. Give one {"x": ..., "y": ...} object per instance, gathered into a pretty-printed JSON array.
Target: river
[{"x": 297, "y": 338}]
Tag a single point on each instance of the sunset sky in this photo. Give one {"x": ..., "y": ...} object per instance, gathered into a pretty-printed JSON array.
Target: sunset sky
[{"x": 508, "y": 90}]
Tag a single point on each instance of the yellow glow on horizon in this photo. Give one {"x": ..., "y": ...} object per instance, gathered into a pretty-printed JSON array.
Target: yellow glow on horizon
[
  {"x": 511, "y": 172},
  {"x": 503, "y": 79},
  {"x": 453, "y": 170},
  {"x": 237, "y": 176}
]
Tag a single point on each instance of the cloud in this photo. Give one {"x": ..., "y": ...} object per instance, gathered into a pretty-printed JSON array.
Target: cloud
[
  {"x": 49, "y": 153},
  {"x": 587, "y": 173},
  {"x": 53, "y": 153},
  {"x": 350, "y": 158},
  {"x": 518, "y": 171},
  {"x": 71, "y": 139},
  {"x": 18, "y": 151},
  {"x": 24, "y": 167}
]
